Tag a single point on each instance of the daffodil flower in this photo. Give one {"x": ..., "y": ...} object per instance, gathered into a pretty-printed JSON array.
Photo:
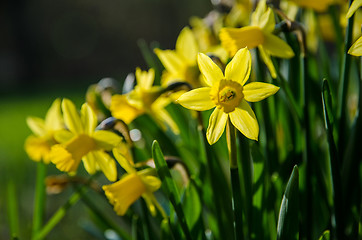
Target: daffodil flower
[
  {"x": 133, "y": 185},
  {"x": 229, "y": 94},
  {"x": 144, "y": 98},
  {"x": 83, "y": 142},
  {"x": 180, "y": 64},
  {"x": 259, "y": 34},
  {"x": 38, "y": 145}
]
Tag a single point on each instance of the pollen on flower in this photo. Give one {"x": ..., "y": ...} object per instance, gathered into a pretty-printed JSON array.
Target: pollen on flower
[{"x": 227, "y": 95}]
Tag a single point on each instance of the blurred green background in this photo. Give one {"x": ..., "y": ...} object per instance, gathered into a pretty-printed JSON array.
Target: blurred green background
[{"x": 51, "y": 49}]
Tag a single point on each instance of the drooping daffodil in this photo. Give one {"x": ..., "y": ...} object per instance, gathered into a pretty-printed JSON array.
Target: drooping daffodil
[
  {"x": 133, "y": 185},
  {"x": 83, "y": 142},
  {"x": 144, "y": 98},
  {"x": 229, "y": 95},
  {"x": 259, "y": 34},
  {"x": 38, "y": 145}
]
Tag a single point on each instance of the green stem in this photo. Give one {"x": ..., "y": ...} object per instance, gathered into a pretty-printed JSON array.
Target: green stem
[
  {"x": 60, "y": 213},
  {"x": 334, "y": 163},
  {"x": 307, "y": 135},
  {"x": 235, "y": 182},
  {"x": 12, "y": 209},
  {"x": 40, "y": 195},
  {"x": 343, "y": 85}
]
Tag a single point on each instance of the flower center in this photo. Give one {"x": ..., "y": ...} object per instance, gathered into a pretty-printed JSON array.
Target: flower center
[{"x": 227, "y": 95}]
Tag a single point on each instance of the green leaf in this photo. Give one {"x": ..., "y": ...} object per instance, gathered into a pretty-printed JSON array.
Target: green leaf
[
  {"x": 288, "y": 214},
  {"x": 325, "y": 235},
  {"x": 169, "y": 186}
]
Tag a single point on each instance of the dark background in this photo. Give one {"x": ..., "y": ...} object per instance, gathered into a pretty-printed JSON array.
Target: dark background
[{"x": 77, "y": 42}]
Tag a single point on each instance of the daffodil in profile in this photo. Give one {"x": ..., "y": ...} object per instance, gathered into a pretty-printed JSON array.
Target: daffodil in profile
[
  {"x": 229, "y": 95},
  {"x": 133, "y": 185},
  {"x": 83, "y": 142},
  {"x": 38, "y": 145},
  {"x": 180, "y": 64},
  {"x": 259, "y": 34},
  {"x": 144, "y": 98}
]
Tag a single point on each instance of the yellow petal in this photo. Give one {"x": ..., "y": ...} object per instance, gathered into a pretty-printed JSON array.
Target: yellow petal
[
  {"x": 197, "y": 99},
  {"x": 149, "y": 198},
  {"x": 267, "y": 21},
  {"x": 258, "y": 13},
  {"x": 209, "y": 69},
  {"x": 170, "y": 60},
  {"x": 63, "y": 159},
  {"x": 107, "y": 164},
  {"x": 89, "y": 118},
  {"x": 38, "y": 148},
  {"x": 353, "y": 8},
  {"x": 268, "y": 62},
  {"x": 163, "y": 117},
  {"x": 152, "y": 183},
  {"x": 145, "y": 79},
  {"x": 54, "y": 119},
  {"x": 232, "y": 39},
  {"x": 62, "y": 136},
  {"x": 71, "y": 117},
  {"x": 121, "y": 109},
  {"x": 356, "y": 48},
  {"x": 124, "y": 192},
  {"x": 257, "y": 91},
  {"x": 217, "y": 123},
  {"x": 36, "y": 125},
  {"x": 67, "y": 156},
  {"x": 243, "y": 118},
  {"x": 106, "y": 140},
  {"x": 90, "y": 163},
  {"x": 277, "y": 47},
  {"x": 122, "y": 160},
  {"x": 186, "y": 45},
  {"x": 239, "y": 67}
]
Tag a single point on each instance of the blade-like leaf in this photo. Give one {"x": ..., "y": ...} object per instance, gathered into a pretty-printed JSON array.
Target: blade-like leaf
[
  {"x": 288, "y": 214},
  {"x": 169, "y": 186}
]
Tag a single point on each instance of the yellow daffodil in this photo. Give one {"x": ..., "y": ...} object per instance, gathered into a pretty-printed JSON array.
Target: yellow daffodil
[
  {"x": 133, "y": 185},
  {"x": 38, "y": 145},
  {"x": 144, "y": 98},
  {"x": 259, "y": 34},
  {"x": 180, "y": 64},
  {"x": 229, "y": 95},
  {"x": 83, "y": 142}
]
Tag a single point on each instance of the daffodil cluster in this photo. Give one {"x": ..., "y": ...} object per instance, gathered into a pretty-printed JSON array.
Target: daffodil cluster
[{"x": 222, "y": 65}]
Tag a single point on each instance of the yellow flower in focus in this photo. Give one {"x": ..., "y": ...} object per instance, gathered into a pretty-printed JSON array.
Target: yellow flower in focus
[
  {"x": 144, "y": 98},
  {"x": 180, "y": 64},
  {"x": 83, "y": 142},
  {"x": 38, "y": 145},
  {"x": 229, "y": 95},
  {"x": 133, "y": 185},
  {"x": 259, "y": 34}
]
